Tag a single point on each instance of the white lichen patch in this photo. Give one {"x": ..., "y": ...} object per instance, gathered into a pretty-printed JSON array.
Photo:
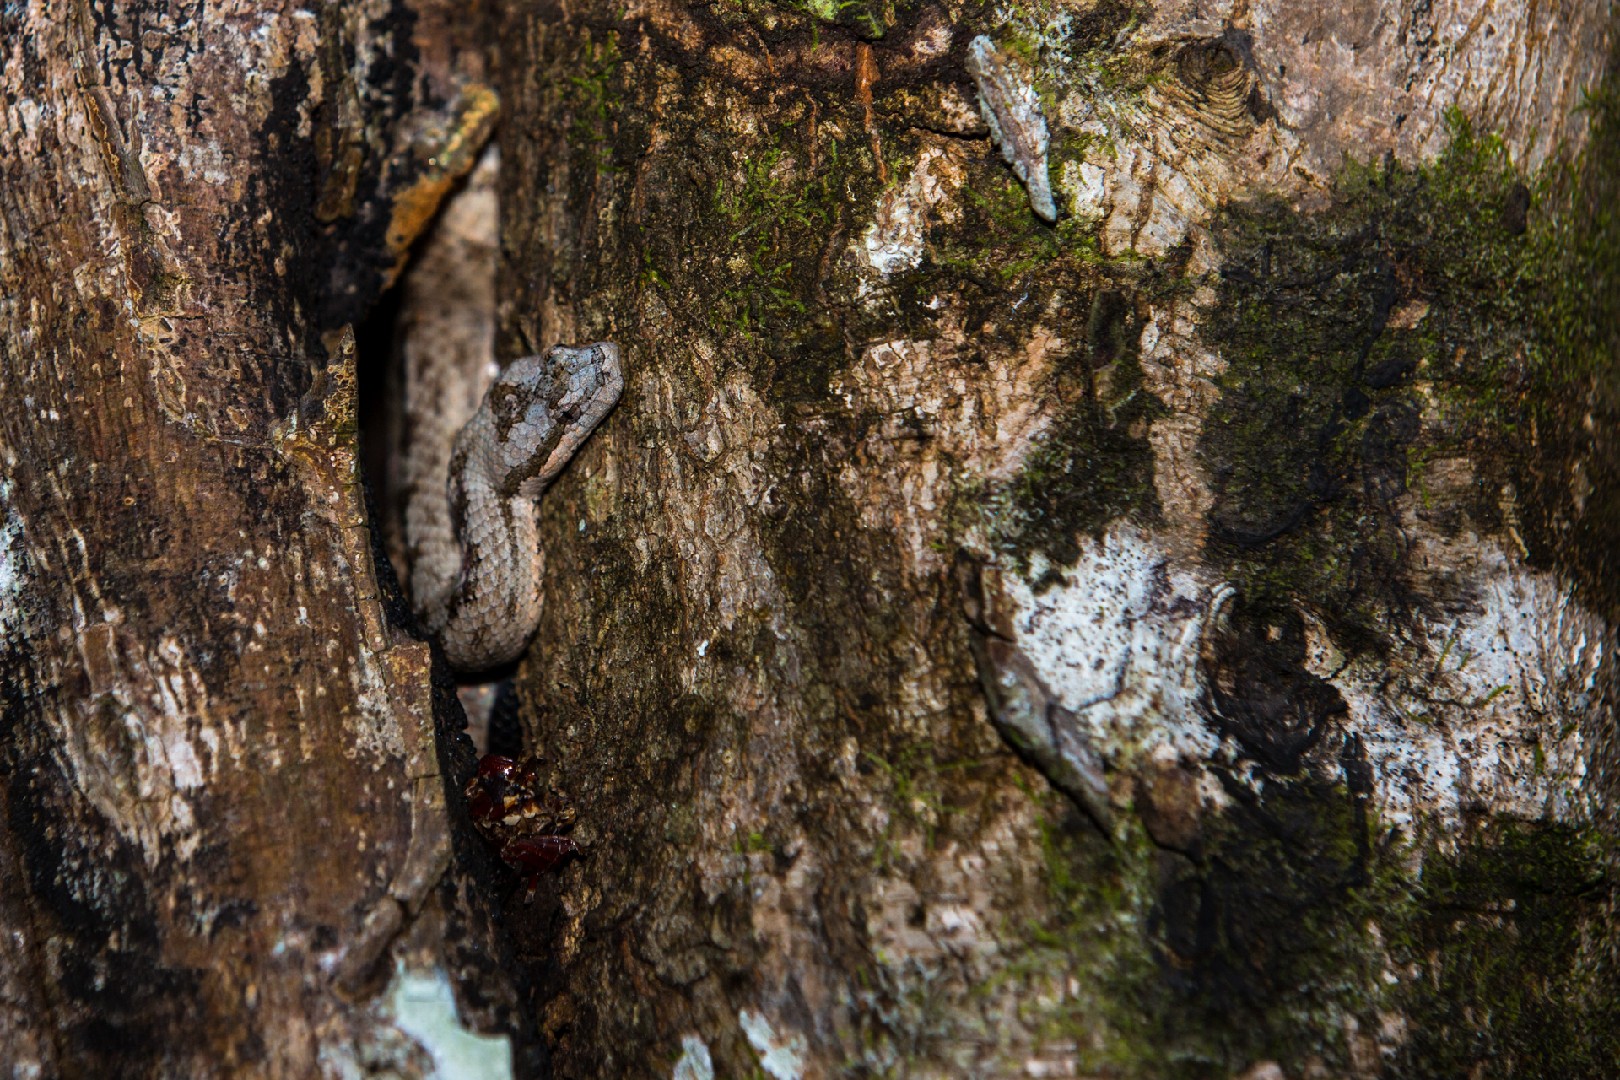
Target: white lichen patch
[
  {"x": 1487, "y": 709},
  {"x": 694, "y": 1062},
  {"x": 205, "y": 160},
  {"x": 13, "y": 616},
  {"x": 895, "y": 240},
  {"x": 1086, "y": 185},
  {"x": 380, "y": 736},
  {"x": 781, "y": 1057},
  {"x": 140, "y": 759},
  {"x": 1491, "y": 711},
  {"x": 423, "y": 1006},
  {"x": 1116, "y": 640}
]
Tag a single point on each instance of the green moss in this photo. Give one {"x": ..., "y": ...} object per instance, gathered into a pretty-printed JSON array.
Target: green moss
[
  {"x": 1254, "y": 946},
  {"x": 1450, "y": 310},
  {"x": 1054, "y": 32},
  {"x": 1568, "y": 480},
  {"x": 1452, "y": 281},
  {"x": 592, "y": 97},
  {"x": 866, "y": 19},
  {"x": 770, "y": 254},
  {"x": 916, "y": 785},
  {"x": 1511, "y": 957},
  {"x": 1093, "y": 941},
  {"x": 1299, "y": 918},
  {"x": 1001, "y": 236},
  {"x": 772, "y": 213}
]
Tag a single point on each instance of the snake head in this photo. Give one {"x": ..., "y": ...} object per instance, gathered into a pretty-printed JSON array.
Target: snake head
[{"x": 544, "y": 407}]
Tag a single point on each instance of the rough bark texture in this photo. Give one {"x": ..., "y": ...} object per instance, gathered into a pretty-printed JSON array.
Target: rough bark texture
[
  {"x": 220, "y": 780},
  {"x": 1101, "y": 566},
  {"x": 1173, "y": 641}
]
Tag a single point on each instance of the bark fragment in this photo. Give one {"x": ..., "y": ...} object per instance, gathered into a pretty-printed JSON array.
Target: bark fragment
[{"x": 1010, "y": 107}]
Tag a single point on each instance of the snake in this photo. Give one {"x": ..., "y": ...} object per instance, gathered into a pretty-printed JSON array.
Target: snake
[{"x": 476, "y": 559}]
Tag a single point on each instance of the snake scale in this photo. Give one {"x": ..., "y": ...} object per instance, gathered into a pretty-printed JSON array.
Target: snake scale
[
  {"x": 480, "y": 595},
  {"x": 476, "y": 461}
]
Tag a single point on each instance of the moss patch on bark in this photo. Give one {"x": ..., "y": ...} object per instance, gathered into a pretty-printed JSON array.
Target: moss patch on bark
[
  {"x": 1455, "y": 308},
  {"x": 1298, "y": 930}
]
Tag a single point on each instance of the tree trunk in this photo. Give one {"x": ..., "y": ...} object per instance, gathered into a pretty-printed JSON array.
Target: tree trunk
[
  {"x": 1100, "y": 566},
  {"x": 1172, "y": 638},
  {"x": 222, "y": 790}
]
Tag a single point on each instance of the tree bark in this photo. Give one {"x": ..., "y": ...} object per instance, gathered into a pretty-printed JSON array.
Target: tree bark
[
  {"x": 221, "y": 785},
  {"x": 1100, "y": 568},
  {"x": 1173, "y": 639}
]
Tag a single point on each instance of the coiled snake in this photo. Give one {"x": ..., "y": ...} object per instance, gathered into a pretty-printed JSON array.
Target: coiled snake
[{"x": 476, "y": 559}]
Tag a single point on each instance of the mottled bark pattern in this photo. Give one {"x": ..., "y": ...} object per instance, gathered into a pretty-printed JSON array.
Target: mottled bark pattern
[
  {"x": 1176, "y": 639},
  {"x": 857, "y": 363},
  {"x": 217, "y": 759}
]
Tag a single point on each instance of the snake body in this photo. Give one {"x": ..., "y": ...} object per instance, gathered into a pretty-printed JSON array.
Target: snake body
[{"x": 475, "y": 556}]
